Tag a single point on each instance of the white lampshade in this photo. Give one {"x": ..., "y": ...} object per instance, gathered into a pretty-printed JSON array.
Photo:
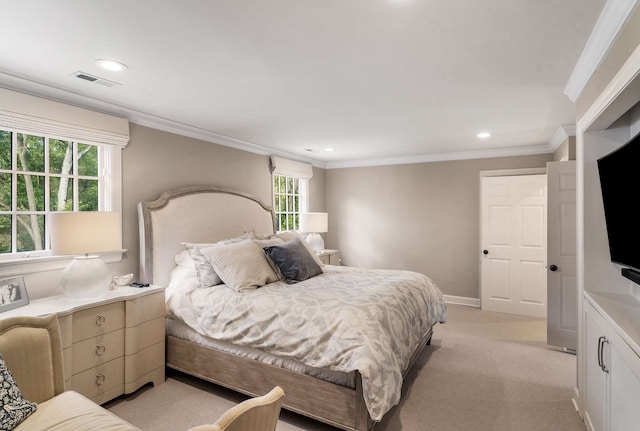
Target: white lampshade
[
  {"x": 83, "y": 233},
  {"x": 313, "y": 224}
]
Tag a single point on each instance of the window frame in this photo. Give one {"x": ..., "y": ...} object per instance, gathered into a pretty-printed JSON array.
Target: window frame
[
  {"x": 109, "y": 199},
  {"x": 303, "y": 199}
]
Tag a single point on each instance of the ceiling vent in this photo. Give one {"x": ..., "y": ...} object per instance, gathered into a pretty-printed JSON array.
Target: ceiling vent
[{"x": 95, "y": 79}]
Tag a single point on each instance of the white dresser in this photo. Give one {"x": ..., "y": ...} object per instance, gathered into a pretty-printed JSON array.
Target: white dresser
[{"x": 113, "y": 344}]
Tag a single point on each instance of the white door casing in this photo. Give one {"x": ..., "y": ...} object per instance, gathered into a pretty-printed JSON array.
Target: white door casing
[
  {"x": 514, "y": 244},
  {"x": 562, "y": 287}
]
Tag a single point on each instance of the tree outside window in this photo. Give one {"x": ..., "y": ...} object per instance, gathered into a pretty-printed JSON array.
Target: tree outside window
[
  {"x": 288, "y": 195},
  {"x": 40, "y": 175}
]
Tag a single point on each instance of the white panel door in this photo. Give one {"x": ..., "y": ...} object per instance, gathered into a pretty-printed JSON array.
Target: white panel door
[
  {"x": 562, "y": 288},
  {"x": 514, "y": 244}
]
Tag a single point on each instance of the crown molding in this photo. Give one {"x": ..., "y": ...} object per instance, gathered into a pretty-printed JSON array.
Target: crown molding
[
  {"x": 43, "y": 90},
  {"x": 617, "y": 97},
  {"x": 613, "y": 16},
  {"x": 560, "y": 135},
  {"x": 441, "y": 157}
]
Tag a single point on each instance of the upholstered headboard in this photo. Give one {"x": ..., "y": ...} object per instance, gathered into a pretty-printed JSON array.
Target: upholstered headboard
[{"x": 194, "y": 214}]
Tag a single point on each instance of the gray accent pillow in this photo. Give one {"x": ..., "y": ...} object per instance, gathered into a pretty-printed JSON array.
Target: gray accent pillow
[
  {"x": 13, "y": 407},
  {"x": 289, "y": 235},
  {"x": 293, "y": 260}
]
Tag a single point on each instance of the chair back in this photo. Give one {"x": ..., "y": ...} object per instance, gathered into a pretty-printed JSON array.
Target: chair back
[
  {"x": 254, "y": 414},
  {"x": 32, "y": 351}
]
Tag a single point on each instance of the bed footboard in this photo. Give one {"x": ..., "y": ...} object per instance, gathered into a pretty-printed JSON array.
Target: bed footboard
[{"x": 327, "y": 402}]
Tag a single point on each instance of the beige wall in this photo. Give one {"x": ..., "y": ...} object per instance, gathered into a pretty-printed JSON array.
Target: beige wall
[{"x": 422, "y": 217}]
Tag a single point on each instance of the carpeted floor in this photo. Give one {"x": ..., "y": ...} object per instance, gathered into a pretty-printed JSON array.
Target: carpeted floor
[{"x": 483, "y": 371}]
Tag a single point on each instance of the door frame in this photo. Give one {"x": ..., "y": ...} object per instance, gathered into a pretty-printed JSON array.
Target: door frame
[{"x": 496, "y": 173}]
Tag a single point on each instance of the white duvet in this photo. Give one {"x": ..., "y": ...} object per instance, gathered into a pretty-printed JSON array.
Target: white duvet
[{"x": 345, "y": 319}]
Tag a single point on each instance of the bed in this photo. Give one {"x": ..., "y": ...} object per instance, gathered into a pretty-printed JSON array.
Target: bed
[{"x": 331, "y": 369}]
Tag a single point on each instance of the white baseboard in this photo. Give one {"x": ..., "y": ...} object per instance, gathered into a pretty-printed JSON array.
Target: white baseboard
[{"x": 462, "y": 300}]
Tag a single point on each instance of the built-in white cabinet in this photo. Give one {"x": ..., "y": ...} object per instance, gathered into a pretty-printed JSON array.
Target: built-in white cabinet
[{"x": 612, "y": 374}]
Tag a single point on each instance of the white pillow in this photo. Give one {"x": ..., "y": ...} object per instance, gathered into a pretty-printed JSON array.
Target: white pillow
[
  {"x": 184, "y": 259},
  {"x": 242, "y": 265},
  {"x": 274, "y": 240},
  {"x": 207, "y": 276}
]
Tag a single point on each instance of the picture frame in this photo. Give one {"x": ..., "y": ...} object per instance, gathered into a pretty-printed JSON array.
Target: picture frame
[{"x": 13, "y": 293}]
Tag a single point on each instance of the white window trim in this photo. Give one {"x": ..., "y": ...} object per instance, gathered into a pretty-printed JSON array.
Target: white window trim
[
  {"x": 292, "y": 169},
  {"x": 39, "y": 116}
]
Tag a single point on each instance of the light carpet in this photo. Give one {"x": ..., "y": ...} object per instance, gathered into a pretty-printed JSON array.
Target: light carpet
[{"x": 482, "y": 371}]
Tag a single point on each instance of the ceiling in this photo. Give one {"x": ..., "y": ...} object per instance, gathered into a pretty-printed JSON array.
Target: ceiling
[{"x": 376, "y": 80}]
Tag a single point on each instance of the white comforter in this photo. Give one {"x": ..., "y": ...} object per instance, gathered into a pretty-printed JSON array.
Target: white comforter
[{"x": 345, "y": 319}]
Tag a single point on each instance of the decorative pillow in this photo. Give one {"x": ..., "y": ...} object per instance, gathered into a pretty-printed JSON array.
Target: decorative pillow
[
  {"x": 293, "y": 260},
  {"x": 274, "y": 240},
  {"x": 289, "y": 235},
  {"x": 207, "y": 276},
  {"x": 241, "y": 266},
  {"x": 13, "y": 407},
  {"x": 183, "y": 258}
]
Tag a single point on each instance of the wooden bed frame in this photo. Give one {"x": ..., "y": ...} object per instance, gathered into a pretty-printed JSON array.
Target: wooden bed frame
[{"x": 210, "y": 214}]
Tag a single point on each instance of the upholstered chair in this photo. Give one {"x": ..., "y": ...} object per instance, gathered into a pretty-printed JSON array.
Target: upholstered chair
[
  {"x": 32, "y": 350},
  {"x": 254, "y": 414}
]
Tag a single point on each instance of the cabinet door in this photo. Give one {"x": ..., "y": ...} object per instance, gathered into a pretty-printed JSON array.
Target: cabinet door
[
  {"x": 625, "y": 386},
  {"x": 596, "y": 398}
]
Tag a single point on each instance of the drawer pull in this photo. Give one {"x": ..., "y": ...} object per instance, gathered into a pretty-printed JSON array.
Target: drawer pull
[
  {"x": 100, "y": 379},
  {"x": 100, "y": 349},
  {"x": 100, "y": 320}
]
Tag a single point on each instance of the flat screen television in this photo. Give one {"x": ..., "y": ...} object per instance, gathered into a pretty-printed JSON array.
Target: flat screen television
[{"x": 620, "y": 183}]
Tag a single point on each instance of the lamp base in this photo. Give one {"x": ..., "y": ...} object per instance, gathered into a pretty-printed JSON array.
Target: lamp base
[
  {"x": 315, "y": 241},
  {"x": 85, "y": 277}
]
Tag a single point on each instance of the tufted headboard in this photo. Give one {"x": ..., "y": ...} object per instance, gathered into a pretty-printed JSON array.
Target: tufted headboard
[{"x": 203, "y": 214}]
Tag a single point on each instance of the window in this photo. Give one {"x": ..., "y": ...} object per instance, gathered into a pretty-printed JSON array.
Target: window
[
  {"x": 40, "y": 175},
  {"x": 53, "y": 157},
  {"x": 290, "y": 192},
  {"x": 290, "y": 199}
]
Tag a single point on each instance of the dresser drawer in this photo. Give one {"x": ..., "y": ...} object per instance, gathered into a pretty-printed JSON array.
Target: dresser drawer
[
  {"x": 144, "y": 335},
  {"x": 98, "y": 350},
  {"x": 144, "y": 362},
  {"x": 146, "y": 308},
  {"x": 98, "y": 320},
  {"x": 100, "y": 379}
]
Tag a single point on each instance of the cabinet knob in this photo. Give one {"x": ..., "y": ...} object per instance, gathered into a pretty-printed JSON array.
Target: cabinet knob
[
  {"x": 100, "y": 320},
  {"x": 100, "y": 349},
  {"x": 100, "y": 378}
]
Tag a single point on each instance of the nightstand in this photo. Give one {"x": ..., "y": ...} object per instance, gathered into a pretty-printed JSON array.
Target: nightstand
[
  {"x": 330, "y": 257},
  {"x": 111, "y": 345}
]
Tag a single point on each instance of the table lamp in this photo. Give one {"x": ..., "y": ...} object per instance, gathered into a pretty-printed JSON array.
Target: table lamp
[
  {"x": 82, "y": 233},
  {"x": 314, "y": 224}
]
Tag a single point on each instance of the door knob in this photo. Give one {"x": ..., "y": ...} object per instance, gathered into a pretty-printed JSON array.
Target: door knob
[
  {"x": 553, "y": 268},
  {"x": 485, "y": 251}
]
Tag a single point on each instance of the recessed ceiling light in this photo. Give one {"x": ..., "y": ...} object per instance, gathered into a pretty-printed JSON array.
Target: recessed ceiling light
[
  {"x": 484, "y": 135},
  {"x": 328, "y": 149},
  {"x": 112, "y": 65}
]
